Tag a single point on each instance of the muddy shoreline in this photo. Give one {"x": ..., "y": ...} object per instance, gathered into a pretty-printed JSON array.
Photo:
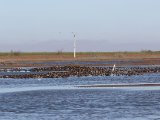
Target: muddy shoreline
[
  {"x": 118, "y": 58},
  {"x": 141, "y": 62},
  {"x": 62, "y": 66}
]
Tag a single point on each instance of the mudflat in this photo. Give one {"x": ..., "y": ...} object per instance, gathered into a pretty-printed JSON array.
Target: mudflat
[{"x": 128, "y": 58}]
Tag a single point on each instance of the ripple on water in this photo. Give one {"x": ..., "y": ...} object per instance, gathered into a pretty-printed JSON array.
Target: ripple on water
[
  {"x": 80, "y": 104},
  {"x": 49, "y": 99}
]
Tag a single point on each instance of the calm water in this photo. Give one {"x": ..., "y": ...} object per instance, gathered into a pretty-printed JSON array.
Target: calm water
[{"x": 60, "y": 99}]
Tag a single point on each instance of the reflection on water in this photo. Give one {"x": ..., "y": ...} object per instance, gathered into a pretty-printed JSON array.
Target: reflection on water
[
  {"x": 51, "y": 99},
  {"x": 12, "y": 83}
]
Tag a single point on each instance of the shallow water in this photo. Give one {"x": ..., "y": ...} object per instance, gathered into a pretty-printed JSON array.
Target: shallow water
[
  {"x": 60, "y": 99},
  {"x": 86, "y": 63}
]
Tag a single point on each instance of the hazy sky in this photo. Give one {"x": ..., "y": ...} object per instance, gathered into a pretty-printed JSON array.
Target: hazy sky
[{"x": 100, "y": 25}]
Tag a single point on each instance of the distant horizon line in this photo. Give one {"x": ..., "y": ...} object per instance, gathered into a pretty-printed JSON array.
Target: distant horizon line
[{"x": 12, "y": 51}]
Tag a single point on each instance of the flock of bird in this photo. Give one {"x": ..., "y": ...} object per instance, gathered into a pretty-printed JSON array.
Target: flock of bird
[{"x": 59, "y": 71}]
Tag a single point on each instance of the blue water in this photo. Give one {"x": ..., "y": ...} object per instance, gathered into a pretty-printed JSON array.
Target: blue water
[
  {"x": 86, "y": 63},
  {"x": 60, "y": 99}
]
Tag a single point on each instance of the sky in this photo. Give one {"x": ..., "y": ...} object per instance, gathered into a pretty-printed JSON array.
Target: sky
[{"x": 99, "y": 25}]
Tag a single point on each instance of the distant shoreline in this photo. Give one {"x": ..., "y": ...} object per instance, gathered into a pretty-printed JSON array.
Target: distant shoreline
[
  {"x": 97, "y": 56},
  {"x": 79, "y": 66},
  {"x": 18, "y": 59}
]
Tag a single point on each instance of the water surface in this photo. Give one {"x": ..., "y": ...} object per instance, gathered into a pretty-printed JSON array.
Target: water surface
[{"x": 60, "y": 99}]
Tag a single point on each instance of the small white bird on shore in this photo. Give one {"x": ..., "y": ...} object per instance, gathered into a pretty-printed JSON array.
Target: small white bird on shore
[
  {"x": 114, "y": 66},
  {"x": 113, "y": 69}
]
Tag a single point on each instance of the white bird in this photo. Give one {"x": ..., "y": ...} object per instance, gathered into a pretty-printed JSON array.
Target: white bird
[
  {"x": 114, "y": 66},
  {"x": 113, "y": 69}
]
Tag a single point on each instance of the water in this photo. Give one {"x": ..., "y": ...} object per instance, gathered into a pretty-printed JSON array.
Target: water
[
  {"x": 86, "y": 63},
  {"x": 61, "y": 99}
]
